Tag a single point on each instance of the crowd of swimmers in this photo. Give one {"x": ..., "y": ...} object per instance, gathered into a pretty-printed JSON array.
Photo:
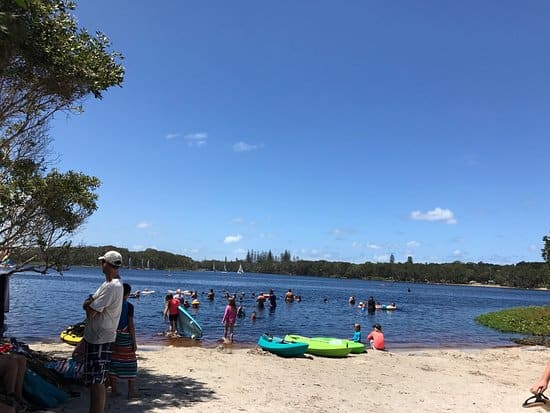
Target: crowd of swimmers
[
  {"x": 371, "y": 305},
  {"x": 235, "y": 310}
]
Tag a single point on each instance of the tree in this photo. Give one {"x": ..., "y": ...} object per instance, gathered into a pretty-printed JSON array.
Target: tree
[
  {"x": 546, "y": 249},
  {"x": 392, "y": 259},
  {"x": 47, "y": 65},
  {"x": 409, "y": 259}
]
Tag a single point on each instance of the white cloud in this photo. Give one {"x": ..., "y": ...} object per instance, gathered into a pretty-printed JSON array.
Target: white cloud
[
  {"x": 437, "y": 214},
  {"x": 244, "y": 147},
  {"x": 413, "y": 244},
  {"x": 457, "y": 253},
  {"x": 144, "y": 225},
  {"x": 231, "y": 239},
  {"x": 373, "y": 246},
  {"x": 142, "y": 247},
  {"x": 196, "y": 139},
  {"x": 238, "y": 221},
  {"x": 170, "y": 136},
  {"x": 382, "y": 258},
  {"x": 340, "y": 233},
  {"x": 356, "y": 244},
  {"x": 337, "y": 232}
]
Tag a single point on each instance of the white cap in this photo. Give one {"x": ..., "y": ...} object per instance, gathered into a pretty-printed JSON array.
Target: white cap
[{"x": 112, "y": 257}]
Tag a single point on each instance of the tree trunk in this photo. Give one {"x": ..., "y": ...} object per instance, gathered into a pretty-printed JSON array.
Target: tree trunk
[{"x": 3, "y": 292}]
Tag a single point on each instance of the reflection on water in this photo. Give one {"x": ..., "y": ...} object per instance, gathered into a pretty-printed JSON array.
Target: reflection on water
[{"x": 427, "y": 316}]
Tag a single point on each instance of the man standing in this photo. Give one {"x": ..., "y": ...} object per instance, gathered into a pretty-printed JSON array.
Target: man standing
[{"x": 103, "y": 310}]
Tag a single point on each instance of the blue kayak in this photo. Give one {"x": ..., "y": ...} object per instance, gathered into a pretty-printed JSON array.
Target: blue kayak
[
  {"x": 277, "y": 345},
  {"x": 187, "y": 325}
]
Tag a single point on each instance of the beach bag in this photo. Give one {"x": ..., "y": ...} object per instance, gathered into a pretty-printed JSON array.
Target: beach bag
[
  {"x": 68, "y": 368},
  {"x": 41, "y": 393}
]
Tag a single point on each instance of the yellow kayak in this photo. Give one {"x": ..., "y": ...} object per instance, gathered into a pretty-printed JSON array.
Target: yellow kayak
[
  {"x": 73, "y": 334},
  {"x": 70, "y": 338}
]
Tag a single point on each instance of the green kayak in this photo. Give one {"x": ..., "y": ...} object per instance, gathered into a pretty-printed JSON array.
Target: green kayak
[
  {"x": 355, "y": 347},
  {"x": 323, "y": 348}
]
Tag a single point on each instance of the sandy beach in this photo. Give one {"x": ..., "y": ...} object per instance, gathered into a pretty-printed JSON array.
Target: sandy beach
[{"x": 173, "y": 379}]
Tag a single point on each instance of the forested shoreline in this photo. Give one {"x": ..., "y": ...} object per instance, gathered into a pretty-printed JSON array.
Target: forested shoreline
[{"x": 520, "y": 275}]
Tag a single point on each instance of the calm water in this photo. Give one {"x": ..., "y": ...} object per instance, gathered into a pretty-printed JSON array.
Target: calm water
[{"x": 427, "y": 316}]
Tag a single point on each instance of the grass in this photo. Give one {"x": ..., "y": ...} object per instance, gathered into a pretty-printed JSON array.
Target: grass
[{"x": 525, "y": 320}]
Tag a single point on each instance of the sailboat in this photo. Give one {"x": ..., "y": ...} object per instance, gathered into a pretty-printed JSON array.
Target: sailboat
[
  {"x": 240, "y": 270},
  {"x": 224, "y": 269}
]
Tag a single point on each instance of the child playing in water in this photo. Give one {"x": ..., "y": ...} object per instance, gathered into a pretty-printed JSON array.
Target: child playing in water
[
  {"x": 376, "y": 338},
  {"x": 229, "y": 317},
  {"x": 357, "y": 333}
]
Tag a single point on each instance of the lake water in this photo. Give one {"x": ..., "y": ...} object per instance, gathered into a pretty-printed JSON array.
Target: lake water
[{"x": 429, "y": 315}]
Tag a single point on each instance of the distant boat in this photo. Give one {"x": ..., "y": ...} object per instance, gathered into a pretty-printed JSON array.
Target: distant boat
[
  {"x": 240, "y": 270},
  {"x": 214, "y": 267},
  {"x": 224, "y": 269}
]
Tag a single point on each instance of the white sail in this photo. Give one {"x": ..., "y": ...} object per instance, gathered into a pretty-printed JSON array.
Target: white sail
[{"x": 240, "y": 270}]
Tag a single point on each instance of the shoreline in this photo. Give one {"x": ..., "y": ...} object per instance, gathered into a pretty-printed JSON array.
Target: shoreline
[
  {"x": 175, "y": 379},
  {"x": 184, "y": 342}
]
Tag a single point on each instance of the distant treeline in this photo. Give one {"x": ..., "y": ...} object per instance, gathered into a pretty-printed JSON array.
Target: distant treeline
[{"x": 521, "y": 275}]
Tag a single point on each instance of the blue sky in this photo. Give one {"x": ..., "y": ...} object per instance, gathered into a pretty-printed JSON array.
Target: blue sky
[{"x": 337, "y": 130}]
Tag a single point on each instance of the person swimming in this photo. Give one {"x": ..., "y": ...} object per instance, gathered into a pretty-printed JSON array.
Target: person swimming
[{"x": 240, "y": 312}]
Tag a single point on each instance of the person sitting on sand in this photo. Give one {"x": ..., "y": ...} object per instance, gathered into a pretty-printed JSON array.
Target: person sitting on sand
[
  {"x": 376, "y": 338},
  {"x": 357, "y": 333},
  {"x": 542, "y": 384},
  {"x": 12, "y": 374}
]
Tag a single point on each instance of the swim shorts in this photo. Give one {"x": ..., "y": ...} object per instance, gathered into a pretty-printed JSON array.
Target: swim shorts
[{"x": 96, "y": 363}]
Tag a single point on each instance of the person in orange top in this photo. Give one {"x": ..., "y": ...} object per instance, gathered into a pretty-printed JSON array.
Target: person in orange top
[{"x": 376, "y": 338}]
